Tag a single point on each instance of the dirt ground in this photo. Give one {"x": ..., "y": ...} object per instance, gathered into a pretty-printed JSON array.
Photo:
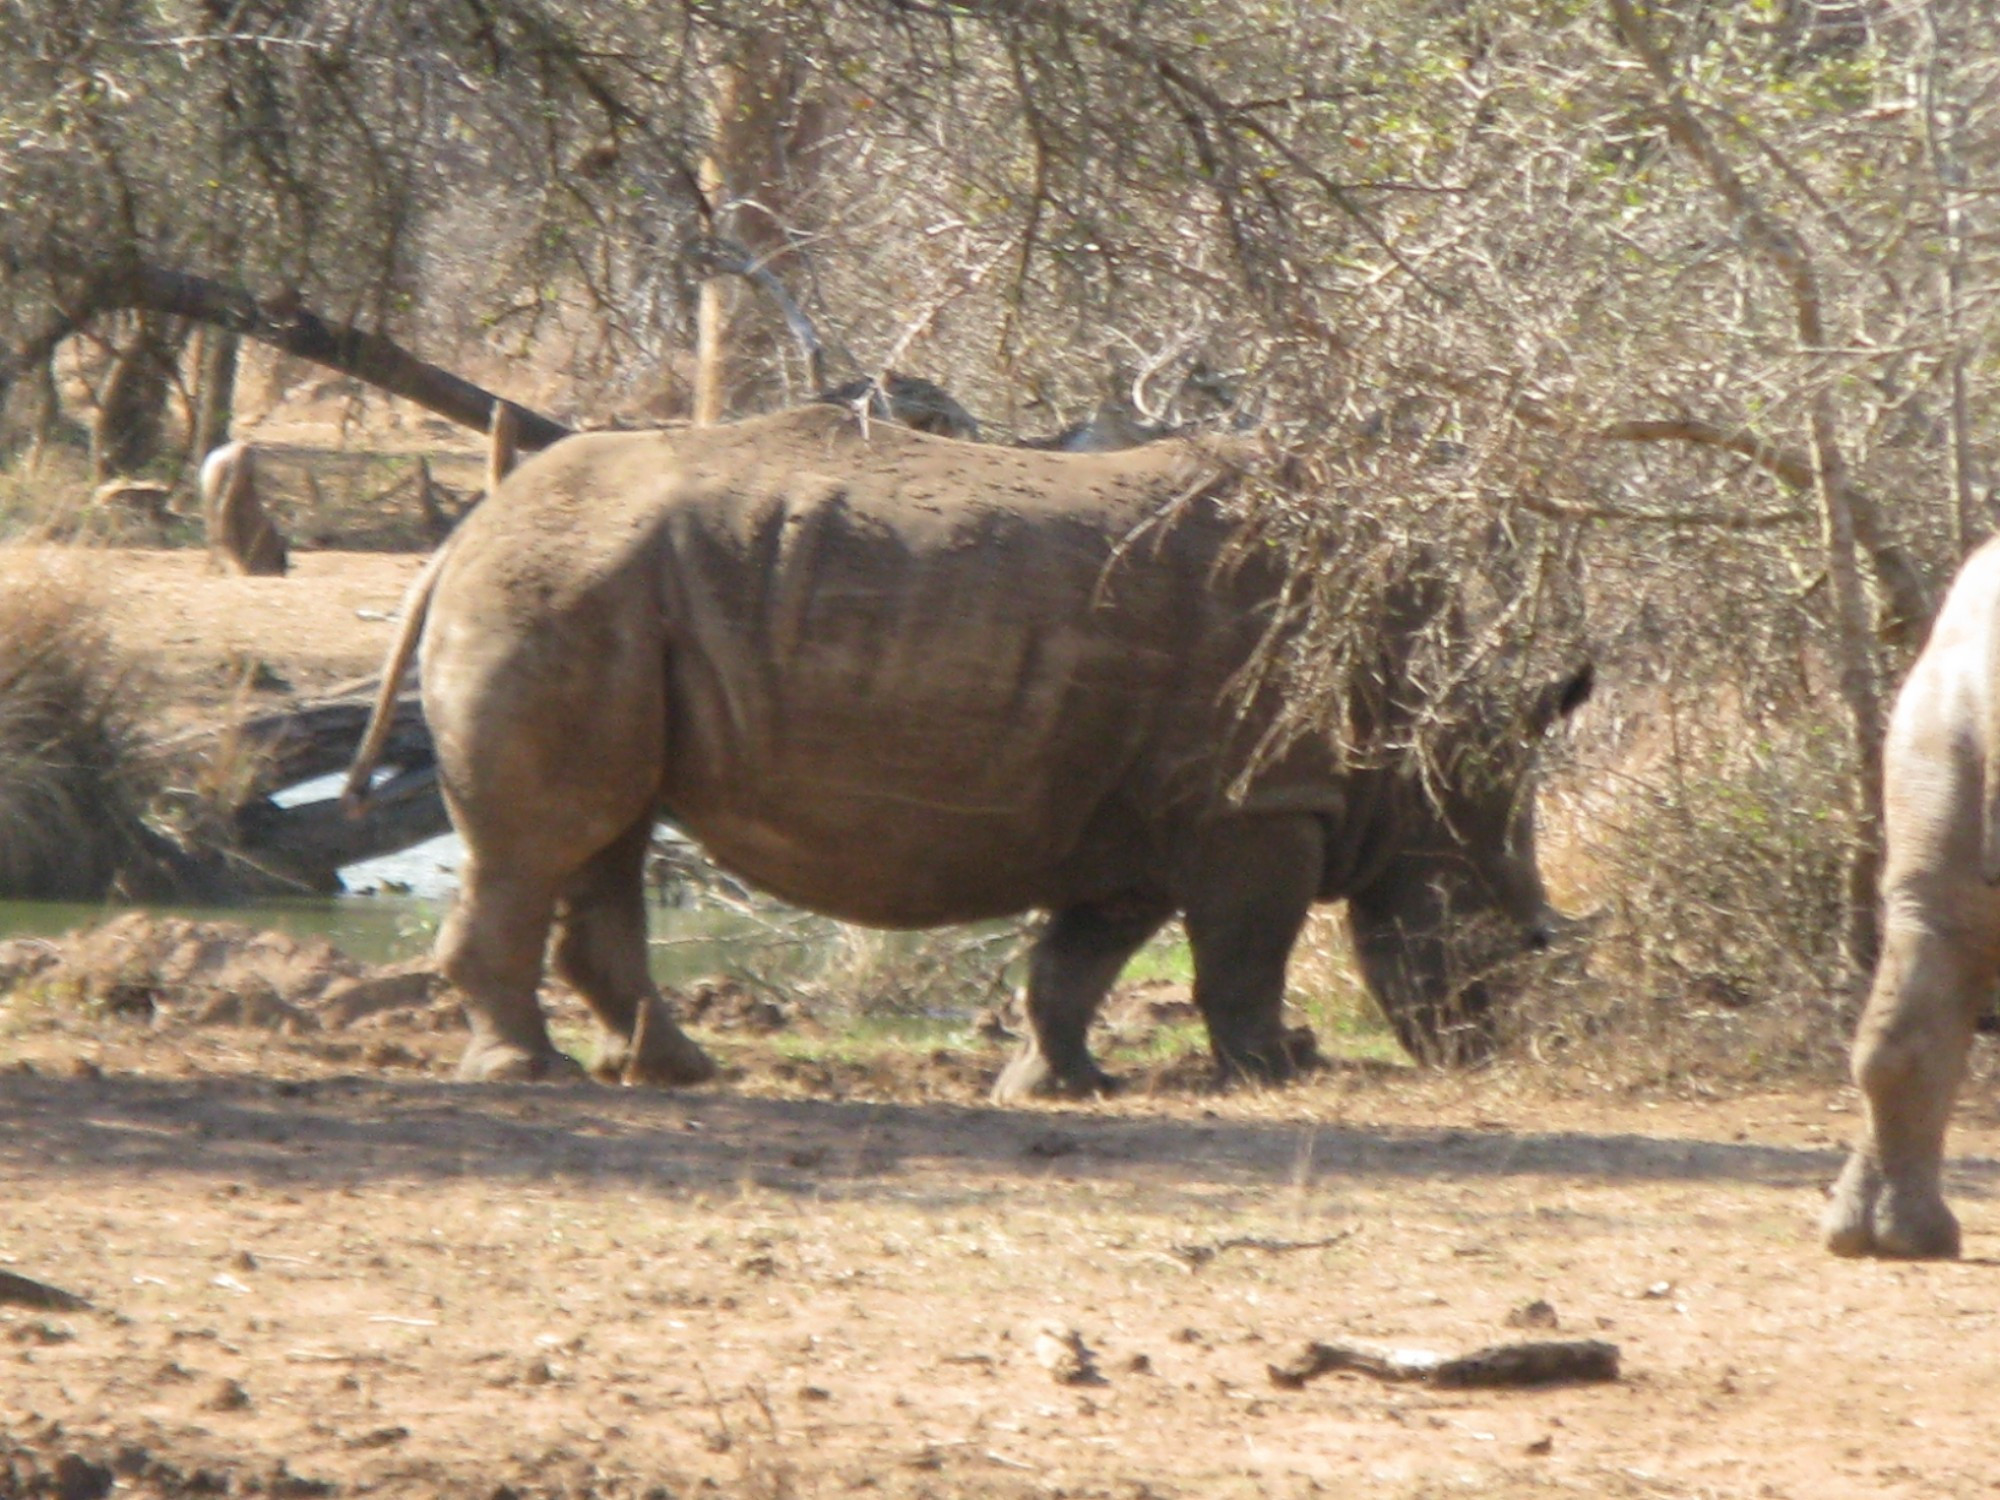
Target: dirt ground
[
  {"x": 209, "y": 639},
  {"x": 316, "y": 1265}
]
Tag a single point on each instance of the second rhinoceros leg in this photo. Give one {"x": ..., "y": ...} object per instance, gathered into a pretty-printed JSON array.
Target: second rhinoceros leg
[
  {"x": 1073, "y": 964},
  {"x": 600, "y": 949},
  {"x": 1909, "y": 1057},
  {"x": 490, "y": 947},
  {"x": 1253, "y": 882},
  {"x": 601, "y": 953}
]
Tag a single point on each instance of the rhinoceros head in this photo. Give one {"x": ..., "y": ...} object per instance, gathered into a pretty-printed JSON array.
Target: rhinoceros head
[{"x": 1461, "y": 898}]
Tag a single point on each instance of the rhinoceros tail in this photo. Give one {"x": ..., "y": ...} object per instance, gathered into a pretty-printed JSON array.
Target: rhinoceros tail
[
  {"x": 416, "y": 607},
  {"x": 503, "y": 444}
]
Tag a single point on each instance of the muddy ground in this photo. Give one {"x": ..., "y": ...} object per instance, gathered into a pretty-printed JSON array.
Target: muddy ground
[{"x": 316, "y": 1265}]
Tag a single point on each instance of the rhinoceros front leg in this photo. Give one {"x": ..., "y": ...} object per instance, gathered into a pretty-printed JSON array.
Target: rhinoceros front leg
[
  {"x": 490, "y": 947},
  {"x": 1909, "y": 1057},
  {"x": 1256, "y": 879},
  {"x": 1074, "y": 962},
  {"x": 600, "y": 950}
]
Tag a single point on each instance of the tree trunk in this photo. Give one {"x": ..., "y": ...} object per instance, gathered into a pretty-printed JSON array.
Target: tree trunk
[
  {"x": 1942, "y": 125},
  {"x": 712, "y": 334},
  {"x": 215, "y": 392},
  {"x": 761, "y": 159},
  {"x": 32, "y": 419},
  {"x": 1860, "y": 691},
  {"x": 48, "y": 420},
  {"x": 130, "y": 428}
]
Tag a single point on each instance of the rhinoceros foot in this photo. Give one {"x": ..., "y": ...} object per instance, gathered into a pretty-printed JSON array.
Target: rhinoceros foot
[
  {"x": 1279, "y": 1060},
  {"x": 1444, "y": 1037},
  {"x": 505, "y": 1062},
  {"x": 658, "y": 1053},
  {"x": 1030, "y": 1076},
  {"x": 669, "y": 1066},
  {"x": 1870, "y": 1215}
]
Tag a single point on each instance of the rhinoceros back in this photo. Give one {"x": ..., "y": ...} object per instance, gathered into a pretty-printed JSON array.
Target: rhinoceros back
[{"x": 913, "y": 681}]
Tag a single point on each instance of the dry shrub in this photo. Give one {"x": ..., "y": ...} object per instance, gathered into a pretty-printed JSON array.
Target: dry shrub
[
  {"x": 1714, "y": 839},
  {"x": 73, "y": 785},
  {"x": 945, "y": 973},
  {"x": 47, "y": 498},
  {"x": 51, "y": 500},
  {"x": 837, "y": 968},
  {"x": 1325, "y": 990}
]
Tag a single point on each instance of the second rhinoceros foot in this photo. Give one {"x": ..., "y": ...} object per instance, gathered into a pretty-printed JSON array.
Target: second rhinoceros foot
[
  {"x": 660, "y": 1054},
  {"x": 1272, "y": 1059},
  {"x": 508, "y": 1062},
  {"x": 1031, "y": 1076}
]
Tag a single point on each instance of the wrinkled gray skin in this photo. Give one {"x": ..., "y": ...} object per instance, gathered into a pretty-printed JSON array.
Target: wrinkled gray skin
[
  {"x": 1941, "y": 928},
  {"x": 909, "y": 681}
]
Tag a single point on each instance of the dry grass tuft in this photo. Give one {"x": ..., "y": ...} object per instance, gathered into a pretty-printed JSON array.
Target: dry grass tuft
[
  {"x": 72, "y": 786},
  {"x": 1714, "y": 853}
]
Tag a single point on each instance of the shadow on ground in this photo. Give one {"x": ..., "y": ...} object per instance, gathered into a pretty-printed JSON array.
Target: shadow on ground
[{"x": 342, "y": 1130}]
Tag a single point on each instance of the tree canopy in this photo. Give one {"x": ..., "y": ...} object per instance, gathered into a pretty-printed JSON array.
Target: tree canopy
[{"x": 1671, "y": 314}]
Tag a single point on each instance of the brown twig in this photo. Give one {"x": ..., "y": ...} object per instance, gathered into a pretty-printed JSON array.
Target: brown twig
[
  {"x": 1195, "y": 1256},
  {"x": 1540, "y": 1362}
]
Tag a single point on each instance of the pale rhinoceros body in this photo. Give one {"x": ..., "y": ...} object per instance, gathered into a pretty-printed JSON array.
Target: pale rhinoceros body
[
  {"x": 1940, "y": 931},
  {"x": 909, "y": 681}
]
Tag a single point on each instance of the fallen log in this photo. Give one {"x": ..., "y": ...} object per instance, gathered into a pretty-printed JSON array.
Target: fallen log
[
  {"x": 254, "y": 845},
  {"x": 258, "y": 846},
  {"x": 309, "y": 843},
  {"x": 305, "y": 742}
]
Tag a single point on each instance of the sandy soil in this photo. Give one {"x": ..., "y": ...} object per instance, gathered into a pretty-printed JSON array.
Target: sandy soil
[
  {"x": 318, "y": 1266},
  {"x": 202, "y": 634}
]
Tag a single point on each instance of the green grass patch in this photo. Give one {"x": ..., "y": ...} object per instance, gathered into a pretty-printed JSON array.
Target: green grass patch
[
  {"x": 1167, "y": 957},
  {"x": 864, "y": 1038}
]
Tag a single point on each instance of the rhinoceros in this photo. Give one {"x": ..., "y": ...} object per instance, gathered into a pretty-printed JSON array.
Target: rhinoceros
[
  {"x": 906, "y": 680},
  {"x": 1941, "y": 928}
]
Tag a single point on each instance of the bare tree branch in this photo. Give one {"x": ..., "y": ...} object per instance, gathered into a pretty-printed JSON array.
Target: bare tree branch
[
  {"x": 1841, "y": 510},
  {"x": 282, "y": 324},
  {"x": 717, "y": 254},
  {"x": 1627, "y": 515}
]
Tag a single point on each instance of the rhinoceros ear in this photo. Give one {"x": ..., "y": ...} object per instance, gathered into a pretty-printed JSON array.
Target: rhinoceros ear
[{"x": 1562, "y": 698}]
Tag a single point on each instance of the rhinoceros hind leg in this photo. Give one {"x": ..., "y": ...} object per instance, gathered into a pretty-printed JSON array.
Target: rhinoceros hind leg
[
  {"x": 1074, "y": 963},
  {"x": 1258, "y": 877},
  {"x": 600, "y": 950},
  {"x": 1909, "y": 1057},
  {"x": 490, "y": 947}
]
